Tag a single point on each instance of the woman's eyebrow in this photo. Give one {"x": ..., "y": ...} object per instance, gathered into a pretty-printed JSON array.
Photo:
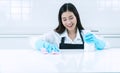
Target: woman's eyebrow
[
  {"x": 71, "y": 16},
  {"x": 63, "y": 17}
]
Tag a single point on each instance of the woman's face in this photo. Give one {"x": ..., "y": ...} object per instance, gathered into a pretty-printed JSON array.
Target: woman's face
[{"x": 69, "y": 20}]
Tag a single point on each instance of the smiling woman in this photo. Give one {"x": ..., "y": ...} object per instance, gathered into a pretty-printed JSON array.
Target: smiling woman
[
  {"x": 69, "y": 21},
  {"x": 69, "y": 34}
]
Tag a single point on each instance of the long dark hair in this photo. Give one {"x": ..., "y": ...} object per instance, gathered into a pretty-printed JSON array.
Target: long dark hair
[{"x": 68, "y": 7}]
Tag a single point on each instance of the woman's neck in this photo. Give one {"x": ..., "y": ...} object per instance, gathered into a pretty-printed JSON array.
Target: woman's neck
[{"x": 72, "y": 34}]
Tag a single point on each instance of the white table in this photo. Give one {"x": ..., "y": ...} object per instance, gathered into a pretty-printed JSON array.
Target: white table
[{"x": 31, "y": 61}]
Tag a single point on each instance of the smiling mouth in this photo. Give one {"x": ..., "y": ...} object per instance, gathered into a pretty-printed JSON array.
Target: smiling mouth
[{"x": 70, "y": 25}]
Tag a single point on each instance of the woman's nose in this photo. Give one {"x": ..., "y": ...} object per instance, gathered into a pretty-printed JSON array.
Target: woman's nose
[{"x": 68, "y": 21}]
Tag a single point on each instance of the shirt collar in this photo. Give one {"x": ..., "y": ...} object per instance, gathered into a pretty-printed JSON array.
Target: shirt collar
[{"x": 64, "y": 34}]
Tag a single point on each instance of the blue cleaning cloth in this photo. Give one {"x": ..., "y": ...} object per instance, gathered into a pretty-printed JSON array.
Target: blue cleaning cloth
[
  {"x": 90, "y": 38},
  {"x": 49, "y": 47}
]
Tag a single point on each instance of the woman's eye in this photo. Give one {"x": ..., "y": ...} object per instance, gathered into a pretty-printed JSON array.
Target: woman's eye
[
  {"x": 64, "y": 19},
  {"x": 71, "y": 18}
]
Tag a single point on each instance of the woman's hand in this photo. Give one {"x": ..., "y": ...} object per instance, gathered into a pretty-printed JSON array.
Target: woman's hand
[
  {"x": 90, "y": 38},
  {"x": 46, "y": 47}
]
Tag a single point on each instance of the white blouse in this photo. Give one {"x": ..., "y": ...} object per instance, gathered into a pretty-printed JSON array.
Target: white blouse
[{"x": 55, "y": 38}]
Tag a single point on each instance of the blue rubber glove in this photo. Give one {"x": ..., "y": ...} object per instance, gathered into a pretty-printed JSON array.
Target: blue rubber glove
[
  {"x": 99, "y": 44},
  {"x": 90, "y": 38},
  {"x": 49, "y": 47}
]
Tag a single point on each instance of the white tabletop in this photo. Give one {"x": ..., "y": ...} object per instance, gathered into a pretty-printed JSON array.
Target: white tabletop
[{"x": 32, "y": 61}]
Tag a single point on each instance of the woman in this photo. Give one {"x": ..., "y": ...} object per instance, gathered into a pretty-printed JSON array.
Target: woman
[{"x": 69, "y": 34}]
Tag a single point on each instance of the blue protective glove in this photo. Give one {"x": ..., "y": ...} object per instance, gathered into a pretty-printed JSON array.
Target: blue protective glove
[
  {"x": 90, "y": 38},
  {"x": 49, "y": 47},
  {"x": 99, "y": 44}
]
